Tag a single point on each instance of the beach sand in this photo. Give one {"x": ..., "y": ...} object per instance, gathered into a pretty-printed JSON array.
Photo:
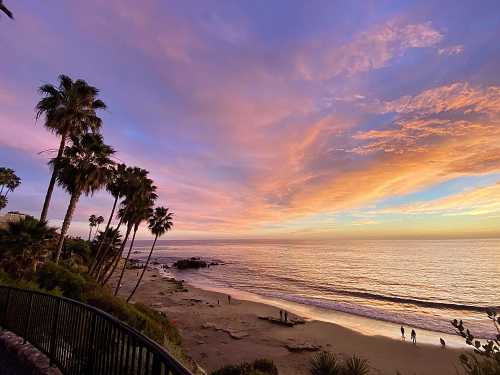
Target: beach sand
[{"x": 216, "y": 334}]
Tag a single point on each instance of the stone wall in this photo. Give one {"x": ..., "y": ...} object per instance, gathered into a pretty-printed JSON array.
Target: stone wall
[{"x": 17, "y": 358}]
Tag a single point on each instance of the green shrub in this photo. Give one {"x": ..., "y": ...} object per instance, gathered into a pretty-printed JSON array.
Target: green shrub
[
  {"x": 265, "y": 366},
  {"x": 52, "y": 276},
  {"x": 258, "y": 367},
  {"x": 325, "y": 363},
  {"x": 356, "y": 366},
  {"x": 78, "y": 251},
  {"x": 169, "y": 330}
]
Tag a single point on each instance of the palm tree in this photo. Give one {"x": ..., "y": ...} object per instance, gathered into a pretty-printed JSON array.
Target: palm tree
[
  {"x": 6, "y": 10},
  {"x": 70, "y": 110},
  {"x": 24, "y": 244},
  {"x": 113, "y": 239},
  {"x": 116, "y": 185},
  {"x": 92, "y": 223},
  {"x": 137, "y": 188},
  {"x": 159, "y": 224},
  {"x": 9, "y": 181},
  {"x": 99, "y": 220},
  {"x": 124, "y": 183},
  {"x": 82, "y": 169},
  {"x": 141, "y": 208}
]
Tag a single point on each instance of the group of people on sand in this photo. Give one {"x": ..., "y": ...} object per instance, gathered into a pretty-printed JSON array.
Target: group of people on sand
[{"x": 413, "y": 335}]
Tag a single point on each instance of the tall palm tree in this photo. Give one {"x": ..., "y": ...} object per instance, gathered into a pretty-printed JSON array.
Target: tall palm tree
[
  {"x": 92, "y": 223},
  {"x": 82, "y": 169},
  {"x": 70, "y": 110},
  {"x": 159, "y": 224},
  {"x": 141, "y": 208},
  {"x": 116, "y": 186},
  {"x": 98, "y": 221},
  {"x": 6, "y": 10},
  {"x": 138, "y": 188}
]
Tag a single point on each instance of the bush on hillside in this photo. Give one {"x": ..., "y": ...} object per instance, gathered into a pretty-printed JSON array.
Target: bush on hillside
[
  {"x": 52, "y": 276},
  {"x": 24, "y": 245},
  {"x": 258, "y": 367},
  {"x": 77, "y": 253}
]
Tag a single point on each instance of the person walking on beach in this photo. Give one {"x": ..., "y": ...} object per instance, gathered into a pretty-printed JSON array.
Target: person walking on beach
[
  {"x": 443, "y": 343},
  {"x": 413, "y": 336},
  {"x": 229, "y": 299},
  {"x": 286, "y": 316},
  {"x": 403, "y": 333},
  {"x": 281, "y": 315}
]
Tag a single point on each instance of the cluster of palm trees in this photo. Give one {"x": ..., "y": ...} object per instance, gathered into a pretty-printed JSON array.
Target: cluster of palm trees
[
  {"x": 95, "y": 221},
  {"x": 84, "y": 165},
  {"x": 9, "y": 181}
]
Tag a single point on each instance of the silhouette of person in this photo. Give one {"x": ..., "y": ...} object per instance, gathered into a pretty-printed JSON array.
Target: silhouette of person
[
  {"x": 413, "y": 336},
  {"x": 229, "y": 299},
  {"x": 443, "y": 343},
  {"x": 286, "y": 316},
  {"x": 403, "y": 333},
  {"x": 281, "y": 315}
]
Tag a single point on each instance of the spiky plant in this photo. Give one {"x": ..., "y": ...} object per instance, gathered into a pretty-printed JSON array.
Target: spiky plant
[
  {"x": 355, "y": 365},
  {"x": 325, "y": 363}
]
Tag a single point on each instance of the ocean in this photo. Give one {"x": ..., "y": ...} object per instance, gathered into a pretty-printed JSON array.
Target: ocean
[{"x": 415, "y": 283}]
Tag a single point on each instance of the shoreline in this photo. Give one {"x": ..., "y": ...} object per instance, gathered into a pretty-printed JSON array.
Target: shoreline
[
  {"x": 368, "y": 326},
  {"x": 216, "y": 333}
]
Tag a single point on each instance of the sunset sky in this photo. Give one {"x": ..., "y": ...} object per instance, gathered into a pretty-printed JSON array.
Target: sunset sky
[{"x": 290, "y": 119}]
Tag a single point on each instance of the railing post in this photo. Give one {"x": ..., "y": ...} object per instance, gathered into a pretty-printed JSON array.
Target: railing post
[
  {"x": 53, "y": 334},
  {"x": 27, "y": 327},
  {"x": 156, "y": 365}
]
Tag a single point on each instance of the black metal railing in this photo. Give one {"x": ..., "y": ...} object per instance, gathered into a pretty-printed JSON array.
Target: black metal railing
[{"x": 81, "y": 339}]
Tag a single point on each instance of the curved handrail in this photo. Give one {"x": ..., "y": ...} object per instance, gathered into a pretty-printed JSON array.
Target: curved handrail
[{"x": 82, "y": 339}]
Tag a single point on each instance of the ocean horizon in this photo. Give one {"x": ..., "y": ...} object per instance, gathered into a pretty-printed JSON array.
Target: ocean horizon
[{"x": 417, "y": 283}]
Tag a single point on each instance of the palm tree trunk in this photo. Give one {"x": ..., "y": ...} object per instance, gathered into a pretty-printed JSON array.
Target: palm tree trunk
[
  {"x": 102, "y": 252},
  {"x": 67, "y": 221},
  {"x": 95, "y": 263},
  {"x": 50, "y": 189},
  {"x": 96, "y": 231},
  {"x": 116, "y": 259},
  {"x": 143, "y": 270},
  {"x": 117, "y": 287}
]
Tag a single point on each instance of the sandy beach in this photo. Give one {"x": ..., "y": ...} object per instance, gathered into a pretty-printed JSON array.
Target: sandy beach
[{"x": 216, "y": 333}]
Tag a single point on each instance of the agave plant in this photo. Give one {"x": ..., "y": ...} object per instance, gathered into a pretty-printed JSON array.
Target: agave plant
[
  {"x": 325, "y": 363},
  {"x": 355, "y": 365}
]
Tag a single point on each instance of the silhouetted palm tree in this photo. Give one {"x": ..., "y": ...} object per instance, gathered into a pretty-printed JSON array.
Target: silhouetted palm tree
[
  {"x": 140, "y": 209},
  {"x": 99, "y": 220},
  {"x": 6, "y": 10},
  {"x": 138, "y": 188},
  {"x": 92, "y": 223},
  {"x": 82, "y": 169},
  {"x": 70, "y": 110},
  {"x": 116, "y": 186},
  {"x": 159, "y": 224},
  {"x": 122, "y": 184},
  {"x": 9, "y": 181}
]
